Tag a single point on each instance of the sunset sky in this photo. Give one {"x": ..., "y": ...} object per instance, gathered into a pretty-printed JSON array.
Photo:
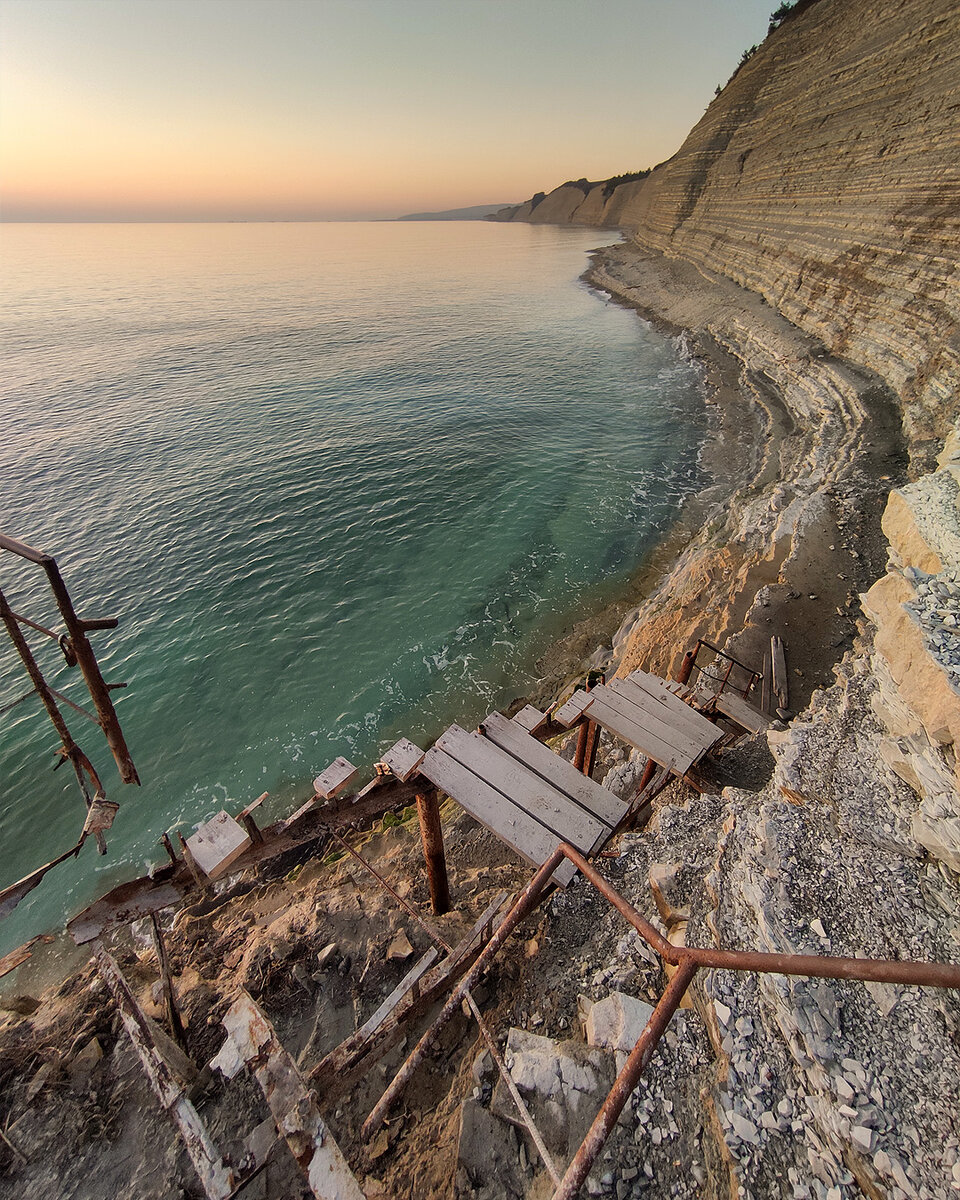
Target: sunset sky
[{"x": 329, "y": 109}]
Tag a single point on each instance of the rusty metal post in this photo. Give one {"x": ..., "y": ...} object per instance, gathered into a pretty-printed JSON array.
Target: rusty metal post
[
  {"x": 687, "y": 665},
  {"x": 87, "y": 661},
  {"x": 625, "y": 1082},
  {"x": 70, "y": 750},
  {"x": 525, "y": 903},
  {"x": 428, "y": 810}
]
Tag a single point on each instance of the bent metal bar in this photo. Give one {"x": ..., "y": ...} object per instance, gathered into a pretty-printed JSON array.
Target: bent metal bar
[{"x": 687, "y": 959}]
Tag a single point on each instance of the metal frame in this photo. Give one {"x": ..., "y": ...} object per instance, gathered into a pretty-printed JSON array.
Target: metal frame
[
  {"x": 77, "y": 651},
  {"x": 690, "y": 664},
  {"x": 687, "y": 960}
]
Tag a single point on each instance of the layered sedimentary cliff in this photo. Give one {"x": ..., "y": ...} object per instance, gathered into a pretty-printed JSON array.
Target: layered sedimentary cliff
[{"x": 825, "y": 178}]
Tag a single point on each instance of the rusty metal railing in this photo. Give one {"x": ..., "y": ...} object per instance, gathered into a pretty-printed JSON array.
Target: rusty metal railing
[
  {"x": 723, "y": 678},
  {"x": 688, "y": 960}
]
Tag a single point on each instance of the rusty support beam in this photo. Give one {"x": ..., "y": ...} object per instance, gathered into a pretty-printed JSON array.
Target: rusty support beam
[
  {"x": 90, "y": 668},
  {"x": 70, "y": 751},
  {"x": 524, "y": 904},
  {"x": 428, "y": 810},
  {"x": 588, "y": 740},
  {"x": 687, "y": 960},
  {"x": 868, "y": 970},
  {"x": 624, "y": 1084},
  {"x": 687, "y": 665}
]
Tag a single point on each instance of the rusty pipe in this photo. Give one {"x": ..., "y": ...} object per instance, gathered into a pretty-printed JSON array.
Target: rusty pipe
[
  {"x": 525, "y": 903},
  {"x": 624, "y": 1084},
  {"x": 90, "y": 669},
  {"x": 822, "y": 966},
  {"x": 428, "y": 810}
]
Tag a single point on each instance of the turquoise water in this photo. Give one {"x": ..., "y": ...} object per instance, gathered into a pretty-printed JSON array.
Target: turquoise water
[{"x": 339, "y": 483}]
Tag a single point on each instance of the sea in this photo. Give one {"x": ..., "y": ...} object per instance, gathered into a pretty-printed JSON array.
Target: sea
[{"x": 339, "y": 483}]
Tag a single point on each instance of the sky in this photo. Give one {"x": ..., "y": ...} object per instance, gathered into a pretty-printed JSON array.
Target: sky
[{"x": 344, "y": 109}]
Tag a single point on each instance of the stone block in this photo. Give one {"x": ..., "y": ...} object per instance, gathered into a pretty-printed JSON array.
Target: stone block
[
  {"x": 217, "y": 844},
  {"x": 616, "y": 1022}
]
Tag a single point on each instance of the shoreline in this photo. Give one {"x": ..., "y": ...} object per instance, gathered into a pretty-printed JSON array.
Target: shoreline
[{"x": 806, "y": 449}]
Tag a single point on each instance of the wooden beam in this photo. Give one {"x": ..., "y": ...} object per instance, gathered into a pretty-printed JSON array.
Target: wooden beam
[
  {"x": 292, "y": 1104},
  {"x": 218, "y": 1180},
  {"x": 410, "y": 982}
]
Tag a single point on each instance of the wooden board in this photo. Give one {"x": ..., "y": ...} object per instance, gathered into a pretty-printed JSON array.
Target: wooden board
[
  {"x": 569, "y": 712},
  {"x": 654, "y": 720},
  {"x": 781, "y": 686},
  {"x": 403, "y": 759},
  {"x": 545, "y": 803},
  {"x": 334, "y": 778},
  {"x": 766, "y": 686},
  {"x": 529, "y": 718},
  {"x": 511, "y": 824},
  {"x": 627, "y": 728},
  {"x": 412, "y": 977},
  {"x": 745, "y": 715},
  {"x": 597, "y": 800},
  {"x": 674, "y": 710}
]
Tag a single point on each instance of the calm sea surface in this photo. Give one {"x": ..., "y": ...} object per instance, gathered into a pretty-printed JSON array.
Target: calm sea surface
[{"x": 339, "y": 483}]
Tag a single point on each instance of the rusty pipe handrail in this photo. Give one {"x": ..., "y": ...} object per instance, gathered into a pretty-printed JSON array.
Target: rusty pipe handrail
[
  {"x": 687, "y": 959},
  {"x": 77, "y": 631},
  {"x": 868, "y": 970}
]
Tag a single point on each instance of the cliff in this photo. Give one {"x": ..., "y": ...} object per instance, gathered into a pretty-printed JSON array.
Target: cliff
[{"x": 826, "y": 179}]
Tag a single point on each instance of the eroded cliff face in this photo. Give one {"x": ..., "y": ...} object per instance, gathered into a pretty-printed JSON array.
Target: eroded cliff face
[{"x": 826, "y": 178}]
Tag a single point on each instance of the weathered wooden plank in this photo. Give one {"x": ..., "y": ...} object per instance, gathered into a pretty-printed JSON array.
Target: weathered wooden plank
[
  {"x": 626, "y": 726},
  {"x": 412, "y": 977},
  {"x": 218, "y": 1180},
  {"x": 571, "y": 710},
  {"x": 597, "y": 800},
  {"x": 334, "y": 778},
  {"x": 292, "y": 1104},
  {"x": 689, "y": 731},
  {"x": 545, "y": 803},
  {"x": 651, "y": 717},
  {"x": 403, "y": 758},
  {"x": 766, "y": 684},
  {"x": 671, "y": 708},
  {"x": 745, "y": 715},
  {"x": 781, "y": 684},
  {"x": 529, "y": 718},
  {"x": 254, "y": 804},
  {"x": 511, "y": 824}
]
